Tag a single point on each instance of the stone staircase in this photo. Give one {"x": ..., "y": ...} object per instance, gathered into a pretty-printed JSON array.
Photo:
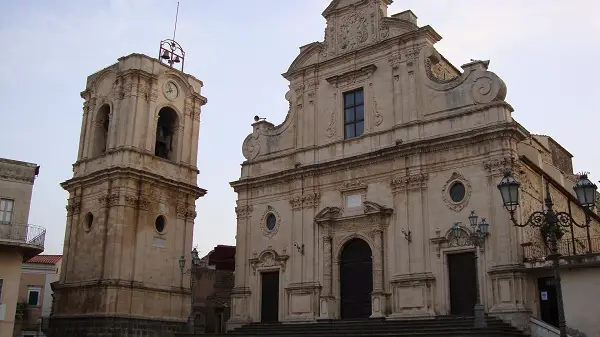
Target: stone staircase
[{"x": 439, "y": 326}]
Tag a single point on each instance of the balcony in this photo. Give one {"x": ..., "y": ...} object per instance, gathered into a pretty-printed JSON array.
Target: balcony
[
  {"x": 574, "y": 251},
  {"x": 28, "y": 238}
]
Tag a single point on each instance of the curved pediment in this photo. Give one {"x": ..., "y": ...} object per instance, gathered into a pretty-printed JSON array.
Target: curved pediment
[
  {"x": 333, "y": 213},
  {"x": 308, "y": 56}
]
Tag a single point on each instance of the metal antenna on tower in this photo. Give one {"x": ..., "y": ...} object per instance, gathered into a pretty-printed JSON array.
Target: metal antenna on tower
[
  {"x": 176, "y": 15},
  {"x": 170, "y": 51}
]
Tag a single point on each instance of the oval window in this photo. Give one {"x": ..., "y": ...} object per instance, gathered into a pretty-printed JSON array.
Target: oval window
[
  {"x": 160, "y": 223},
  {"x": 457, "y": 191},
  {"x": 89, "y": 221},
  {"x": 271, "y": 221}
]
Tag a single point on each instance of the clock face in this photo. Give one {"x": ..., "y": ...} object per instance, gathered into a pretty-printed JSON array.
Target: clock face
[{"x": 171, "y": 90}]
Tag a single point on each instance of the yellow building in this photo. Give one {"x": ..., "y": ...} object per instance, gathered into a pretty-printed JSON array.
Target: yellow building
[
  {"x": 35, "y": 295},
  {"x": 19, "y": 241}
]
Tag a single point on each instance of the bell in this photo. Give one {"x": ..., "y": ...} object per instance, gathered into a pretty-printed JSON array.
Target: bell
[
  {"x": 165, "y": 55},
  {"x": 176, "y": 59},
  {"x": 160, "y": 137}
]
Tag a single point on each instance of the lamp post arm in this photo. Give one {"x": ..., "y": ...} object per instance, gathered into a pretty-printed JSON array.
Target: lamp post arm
[
  {"x": 536, "y": 219},
  {"x": 565, "y": 219}
]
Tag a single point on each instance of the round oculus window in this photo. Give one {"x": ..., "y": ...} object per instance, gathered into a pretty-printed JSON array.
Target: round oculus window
[
  {"x": 457, "y": 191},
  {"x": 271, "y": 222},
  {"x": 160, "y": 223}
]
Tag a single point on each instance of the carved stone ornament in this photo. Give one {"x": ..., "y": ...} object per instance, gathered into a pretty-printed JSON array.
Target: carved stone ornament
[
  {"x": 411, "y": 182},
  {"x": 134, "y": 201},
  {"x": 243, "y": 212},
  {"x": 73, "y": 207},
  {"x": 251, "y": 146},
  {"x": 355, "y": 184},
  {"x": 308, "y": 200},
  {"x": 108, "y": 200},
  {"x": 377, "y": 117},
  {"x": 263, "y": 222},
  {"x": 186, "y": 211},
  {"x": 268, "y": 259},
  {"x": 500, "y": 165},
  {"x": 331, "y": 126},
  {"x": 450, "y": 240},
  {"x": 454, "y": 205},
  {"x": 353, "y": 31}
]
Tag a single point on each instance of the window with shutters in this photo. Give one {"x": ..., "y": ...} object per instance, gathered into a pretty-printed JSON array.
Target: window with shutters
[{"x": 6, "y": 211}]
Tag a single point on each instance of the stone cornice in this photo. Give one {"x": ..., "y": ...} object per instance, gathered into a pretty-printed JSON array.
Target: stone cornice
[
  {"x": 385, "y": 154},
  {"x": 353, "y": 75},
  {"x": 117, "y": 283},
  {"x": 17, "y": 171},
  {"x": 132, "y": 173},
  {"x": 436, "y": 116},
  {"x": 137, "y": 151}
]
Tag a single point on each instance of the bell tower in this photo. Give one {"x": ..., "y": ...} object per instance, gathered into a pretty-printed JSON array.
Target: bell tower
[{"x": 131, "y": 206}]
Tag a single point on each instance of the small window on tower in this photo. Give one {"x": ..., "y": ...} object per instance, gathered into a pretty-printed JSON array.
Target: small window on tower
[
  {"x": 354, "y": 114},
  {"x": 88, "y": 221},
  {"x": 100, "y": 127},
  {"x": 160, "y": 224},
  {"x": 165, "y": 134}
]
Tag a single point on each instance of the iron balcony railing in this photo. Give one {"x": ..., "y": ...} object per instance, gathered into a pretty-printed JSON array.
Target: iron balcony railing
[
  {"x": 539, "y": 251},
  {"x": 22, "y": 234}
]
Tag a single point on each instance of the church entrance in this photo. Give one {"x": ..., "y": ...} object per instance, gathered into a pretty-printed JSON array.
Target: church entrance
[
  {"x": 463, "y": 294},
  {"x": 269, "y": 310},
  {"x": 356, "y": 279}
]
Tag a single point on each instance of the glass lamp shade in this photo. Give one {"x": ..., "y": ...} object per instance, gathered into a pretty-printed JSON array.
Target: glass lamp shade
[
  {"x": 509, "y": 190},
  {"x": 484, "y": 226},
  {"x": 585, "y": 191},
  {"x": 182, "y": 262},
  {"x": 195, "y": 258},
  {"x": 473, "y": 219},
  {"x": 456, "y": 229}
]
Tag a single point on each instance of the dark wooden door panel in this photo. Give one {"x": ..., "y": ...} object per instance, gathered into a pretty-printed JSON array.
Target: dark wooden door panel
[
  {"x": 463, "y": 294},
  {"x": 356, "y": 280},
  {"x": 548, "y": 301},
  {"x": 270, "y": 297}
]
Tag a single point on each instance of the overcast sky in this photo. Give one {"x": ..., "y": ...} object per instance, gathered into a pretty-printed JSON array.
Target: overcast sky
[{"x": 542, "y": 49}]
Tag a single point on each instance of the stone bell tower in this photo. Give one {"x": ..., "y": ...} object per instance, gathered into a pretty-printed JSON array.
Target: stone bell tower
[{"x": 131, "y": 206}]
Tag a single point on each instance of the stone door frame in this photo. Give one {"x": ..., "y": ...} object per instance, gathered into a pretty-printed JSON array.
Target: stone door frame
[
  {"x": 335, "y": 231},
  {"x": 446, "y": 245},
  {"x": 267, "y": 261}
]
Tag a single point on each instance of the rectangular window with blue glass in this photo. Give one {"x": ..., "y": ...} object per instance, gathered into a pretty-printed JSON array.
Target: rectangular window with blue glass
[{"x": 354, "y": 114}]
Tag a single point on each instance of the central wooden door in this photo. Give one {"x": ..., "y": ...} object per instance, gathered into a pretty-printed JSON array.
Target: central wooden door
[
  {"x": 269, "y": 311},
  {"x": 356, "y": 280},
  {"x": 463, "y": 294}
]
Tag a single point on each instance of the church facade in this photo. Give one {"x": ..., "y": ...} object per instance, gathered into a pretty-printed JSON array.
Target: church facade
[
  {"x": 131, "y": 206},
  {"x": 345, "y": 209}
]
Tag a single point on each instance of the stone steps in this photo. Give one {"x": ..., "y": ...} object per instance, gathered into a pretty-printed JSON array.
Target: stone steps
[{"x": 439, "y": 326}]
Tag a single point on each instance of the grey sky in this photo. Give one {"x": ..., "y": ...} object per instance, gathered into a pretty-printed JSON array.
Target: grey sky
[{"x": 543, "y": 50}]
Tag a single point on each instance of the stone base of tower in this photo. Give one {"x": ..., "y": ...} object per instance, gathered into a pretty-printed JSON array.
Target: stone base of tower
[{"x": 90, "y": 326}]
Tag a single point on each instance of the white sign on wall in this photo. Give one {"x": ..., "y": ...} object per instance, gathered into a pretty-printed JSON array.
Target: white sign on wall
[{"x": 354, "y": 200}]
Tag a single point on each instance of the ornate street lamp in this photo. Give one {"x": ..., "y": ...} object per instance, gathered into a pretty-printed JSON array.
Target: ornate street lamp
[
  {"x": 195, "y": 265},
  {"x": 552, "y": 221},
  {"x": 480, "y": 230}
]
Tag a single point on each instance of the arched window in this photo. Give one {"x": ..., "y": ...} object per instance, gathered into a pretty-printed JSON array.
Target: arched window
[
  {"x": 166, "y": 134},
  {"x": 100, "y": 127}
]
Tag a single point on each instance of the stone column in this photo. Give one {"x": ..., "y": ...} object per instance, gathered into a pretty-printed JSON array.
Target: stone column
[
  {"x": 327, "y": 302},
  {"x": 378, "y": 295}
]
